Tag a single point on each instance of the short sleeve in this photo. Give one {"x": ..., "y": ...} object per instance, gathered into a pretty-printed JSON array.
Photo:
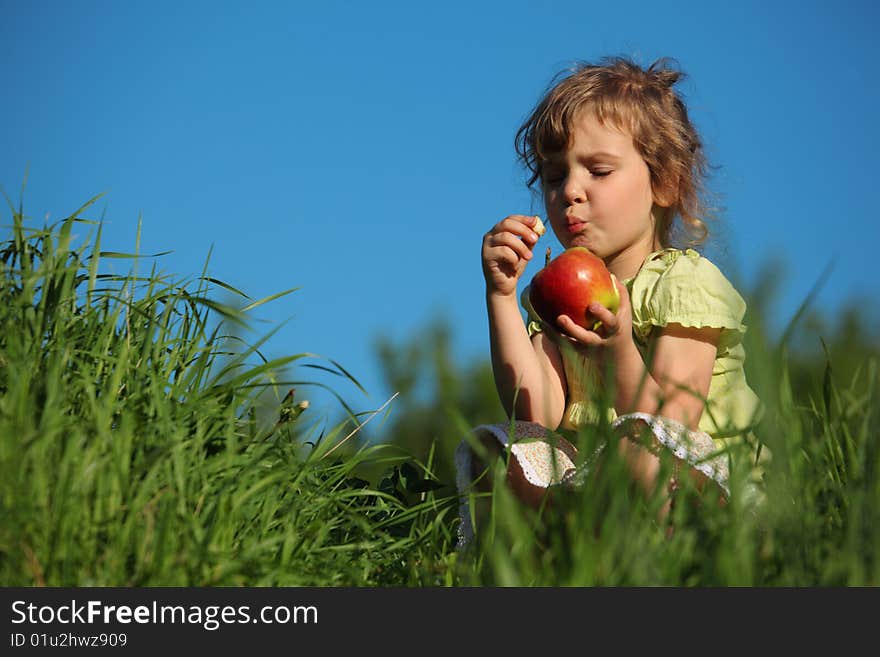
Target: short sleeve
[{"x": 687, "y": 289}]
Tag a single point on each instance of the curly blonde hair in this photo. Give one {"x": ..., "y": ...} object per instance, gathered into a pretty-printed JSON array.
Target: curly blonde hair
[{"x": 643, "y": 104}]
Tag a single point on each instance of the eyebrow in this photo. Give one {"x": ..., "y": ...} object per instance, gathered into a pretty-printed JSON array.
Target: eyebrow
[
  {"x": 602, "y": 154},
  {"x": 598, "y": 155}
]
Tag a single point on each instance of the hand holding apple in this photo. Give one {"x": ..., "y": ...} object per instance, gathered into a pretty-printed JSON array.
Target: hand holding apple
[
  {"x": 570, "y": 285},
  {"x": 615, "y": 330}
]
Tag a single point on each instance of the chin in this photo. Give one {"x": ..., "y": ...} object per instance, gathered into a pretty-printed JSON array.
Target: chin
[{"x": 587, "y": 243}]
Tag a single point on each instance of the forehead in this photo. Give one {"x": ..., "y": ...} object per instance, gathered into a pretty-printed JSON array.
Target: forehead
[
  {"x": 589, "y": 127},
  {"x": 589, "y": 134}
]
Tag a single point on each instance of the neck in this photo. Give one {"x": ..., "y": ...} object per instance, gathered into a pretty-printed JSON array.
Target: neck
[{"x": 625, "y": 264}]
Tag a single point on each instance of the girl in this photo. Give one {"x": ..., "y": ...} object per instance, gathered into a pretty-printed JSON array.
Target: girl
[{"x": 618, "y": 162}]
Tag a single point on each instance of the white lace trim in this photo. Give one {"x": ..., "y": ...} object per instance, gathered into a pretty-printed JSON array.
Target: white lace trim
[
  {"x": 544, "y": 464},
  {"x": 694, "y": 447}
]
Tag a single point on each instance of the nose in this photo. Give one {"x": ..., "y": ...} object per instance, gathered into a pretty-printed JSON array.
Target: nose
[{"x": 575, "y": 189}]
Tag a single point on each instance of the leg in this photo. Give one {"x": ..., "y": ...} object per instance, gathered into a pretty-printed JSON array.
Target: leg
[
  {"x": 535, "y": 461},
  {"x": 481, "y": 473},
  {"x": 641, "y": 450}
]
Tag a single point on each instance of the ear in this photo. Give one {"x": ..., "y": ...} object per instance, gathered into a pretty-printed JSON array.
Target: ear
[{"x": 665, "y": 196}]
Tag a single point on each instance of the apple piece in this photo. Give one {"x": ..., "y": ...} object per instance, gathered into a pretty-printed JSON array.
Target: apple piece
[
  {"x": 539, "y": 228},
  {"x": 569, "y": 283}
]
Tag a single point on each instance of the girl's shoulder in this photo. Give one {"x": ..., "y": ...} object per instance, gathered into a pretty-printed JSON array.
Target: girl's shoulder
[
  {"x": 672, "y": 262},
  {"x": 683, "y": 287}
]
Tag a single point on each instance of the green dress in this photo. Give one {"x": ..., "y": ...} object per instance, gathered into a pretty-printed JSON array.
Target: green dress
[{"x": 675, "y": 287}]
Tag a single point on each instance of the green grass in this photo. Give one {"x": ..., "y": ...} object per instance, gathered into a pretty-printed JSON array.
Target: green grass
[
  {"x": 143, "y": 442},
  {"x": 133, "y": 450}
]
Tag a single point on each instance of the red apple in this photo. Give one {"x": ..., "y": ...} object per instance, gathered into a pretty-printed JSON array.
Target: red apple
[{"x": 569, "y": 284}]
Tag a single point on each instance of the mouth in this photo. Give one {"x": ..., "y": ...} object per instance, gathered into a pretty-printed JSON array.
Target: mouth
[{"x": 575, "y": 226}]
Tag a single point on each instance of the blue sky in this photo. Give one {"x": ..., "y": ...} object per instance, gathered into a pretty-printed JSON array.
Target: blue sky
[{"x": 361, "y": 150}]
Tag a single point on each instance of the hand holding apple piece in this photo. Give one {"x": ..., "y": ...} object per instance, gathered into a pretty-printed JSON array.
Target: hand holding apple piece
[{"x": 507, "y": 249}]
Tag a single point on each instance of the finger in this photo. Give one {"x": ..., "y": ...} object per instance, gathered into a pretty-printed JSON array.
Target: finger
[
  {"x": 578, "y": 333},
  {"x": 600, "y": 312},
  {"x": 510, "y": 246},
  {"x": 530, "y": 221},
  {"x": 609, "y": 323},
  {"x": 503, "y": 256},
  {"x": 506, "y": 260},
  {"x": 521, "y": 226},
  {"x": 511, "y": 241}
]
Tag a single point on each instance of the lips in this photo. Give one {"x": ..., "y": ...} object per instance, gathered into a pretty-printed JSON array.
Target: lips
[{"x": 575, "y": 226}]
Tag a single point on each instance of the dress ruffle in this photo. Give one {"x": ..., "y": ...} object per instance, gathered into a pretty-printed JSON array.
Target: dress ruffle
[{"x": 547, "y": 459}]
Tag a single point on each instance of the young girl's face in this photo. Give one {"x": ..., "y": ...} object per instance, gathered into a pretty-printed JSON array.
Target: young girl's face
[{"x": 598, "y": 194}]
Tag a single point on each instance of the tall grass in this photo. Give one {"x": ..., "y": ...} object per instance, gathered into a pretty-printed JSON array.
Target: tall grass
[
  {"x": 133, "y": 452},
  {"x": 144, "y": 442}
]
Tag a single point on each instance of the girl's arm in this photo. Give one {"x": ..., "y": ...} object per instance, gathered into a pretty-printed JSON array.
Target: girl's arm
[
  {"x": 675, "y": 387},
  {"x": 678, "y": 381},
  {"x": 528, "y": 372}
]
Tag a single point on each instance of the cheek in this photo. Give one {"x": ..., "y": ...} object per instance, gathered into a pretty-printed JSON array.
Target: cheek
[
  {"x": 551, "y": 201},
  {"x": 638, "y": 191}
]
